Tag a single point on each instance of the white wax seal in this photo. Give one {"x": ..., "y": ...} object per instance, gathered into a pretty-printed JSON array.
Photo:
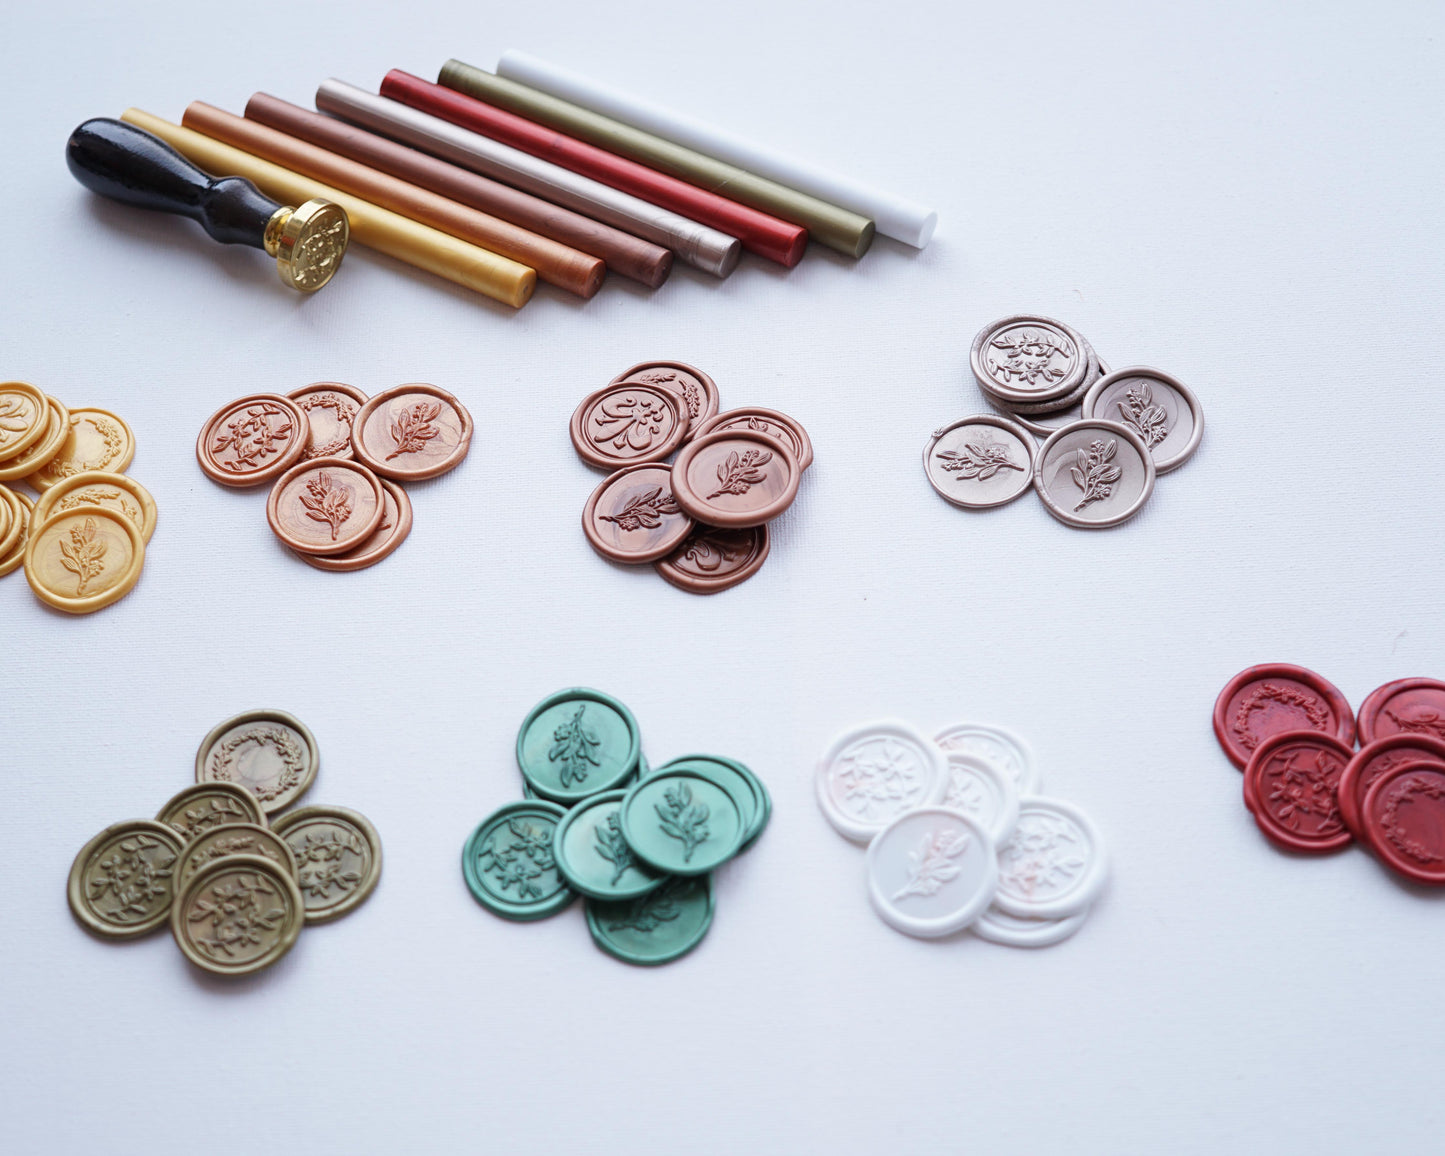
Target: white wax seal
[
  {"x": 1013, "y": 931},
  {"x": 982, "y": 791},
  {"x": 872, "y": 774},
  {"x": 932, "y": 872},
  {"x": 1053, "y": 865},
  {"x": 1002, "y": 748}
]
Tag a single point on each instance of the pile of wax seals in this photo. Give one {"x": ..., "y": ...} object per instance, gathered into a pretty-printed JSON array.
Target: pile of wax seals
[
  {"x": 1310, "y": 791},
  {"x": 957, "y": 836},
  {"x": 701, "y": 521},
  {"x": 1096, "y": 467},
  {"x": 639, "y": 842},
  {"x": 235, "y": 884}
]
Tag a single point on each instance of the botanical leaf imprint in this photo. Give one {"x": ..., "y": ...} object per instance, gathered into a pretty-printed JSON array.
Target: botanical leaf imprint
[
  {"x": 322, "y": 861},
  {"x": 932, "y": 863},
  {"x": 1273, "y": 692},
  {"x": 230, "y": 845},
  {"x": 518, "y": 855},
  {"x": 13, "y": 417},
  {"x": 240, "y": 909},
  {"x": 575, "y": 749},
  {"x": 1042, "y": 857},
  {"x": 741, "y": 472},
  {"x": 134, "y": 875},
  {"x": 83, "y": 554},
  {"x": 650, "y": 911},
  {"x": 1150, "y": 421},
  {"x": 251, "y": 437},
  {"x": 63, "y": 467},
  {"x": 208, "y": 813},
  {"x": 97, "y": 496},
  {"x": 1403, "y": 792},
  {"x": 1305, "y": 788},
  {"x": 613, "y": 847},
  {"x": 345, "y": 410},
  {"x": 1028, "y": 355},
  {"x": 885, "y": 782},
  {"x": 979, "y": 460},
  {"x": 327, "y": 501},
  {"x": 1093, "y": 474},
  {"x": 632, "y": 421},
  {"x": 683, "y": 819},
  {"x": 691, "y": 391},
  {"x": 643, "y": 511},
  {"x": 318, "y": 253},
  {"x": 413, "y": 428},
  {"x": 965, "y": 792},
  {"x": 1418, "y": 719},
  {"x": 225, "y": 763}
]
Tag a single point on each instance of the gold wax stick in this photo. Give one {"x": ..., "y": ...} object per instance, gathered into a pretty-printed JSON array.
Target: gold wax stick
[{"x": 499, "y": 278}]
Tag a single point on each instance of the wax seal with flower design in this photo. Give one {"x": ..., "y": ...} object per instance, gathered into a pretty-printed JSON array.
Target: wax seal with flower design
[
  {"x": 101, "y": 488},
  {"x": 577, "y": 742},
  {"x": 509, "y": 865},
  {"x": 873, "y": 773},
  {"x": 735, "y": 478},
  {"x": 655, "y": 928},
  {"x": 1053, "y": 865},
  {"x": 628, "y": 423},
  {"x": 123, "y": 881},
  {"x": 593, "y": 856},
  {"x": 1094, "y": 474},
  {"x": 980, "y": 462},
  {"x": 390, "y": 533},
  {"x": 84, "y": 559},
  {"x": 270, "y": 754},
  {"x": 1291, "y": 786},
  {"x": 769, "y": 422},
  {"x": 325, "y": 506},
  {"x": 237, "y": 915},
  {"x": 1158, "y": 407},
  {"x": 21, "y": 509},
  {"x": 1029, "y": 359},
  {"x": 412, "y": 432},
  {"x": 1410, "y": 706},
  {"x": 234, "y": 839},
  {"x": 1274, "y": 697},
  {"x": 931, "y": 871},
  {"x": 711, "y": 560},
  {"x": 330, "y": 408},
  {"x": 98, "y": 440},
  {"x": 633, "y": 518},
  {"x": 252, "y": 440},
  {"x": 24, "y": 418},
  {"x": 681, "y": 822},
  {"x": 1404, "y": 821},
  {"x": 1371, "y": 761},
  {"x": 44, "y": 451},
  {"x": 697, "y": 392},
  {"x": 338, "y": 858},
  {"x": 197, "y": 809}
]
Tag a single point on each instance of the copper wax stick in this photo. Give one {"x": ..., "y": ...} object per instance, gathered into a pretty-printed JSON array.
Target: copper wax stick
[
  {"x": 626, "y": 255},
  {"x": 702, "y": 247},
  {"x": 556, "y": 264},
  {"x": 498, "y": 277}
]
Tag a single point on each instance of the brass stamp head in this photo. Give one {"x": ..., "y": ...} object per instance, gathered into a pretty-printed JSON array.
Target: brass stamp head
[{"x": 308, "y": 243}]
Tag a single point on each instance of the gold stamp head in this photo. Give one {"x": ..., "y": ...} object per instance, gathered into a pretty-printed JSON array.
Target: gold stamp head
[{"x": 308, "y": 243}]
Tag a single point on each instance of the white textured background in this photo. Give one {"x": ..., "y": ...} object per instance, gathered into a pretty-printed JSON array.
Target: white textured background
[{"x": 1245, "y": 194}]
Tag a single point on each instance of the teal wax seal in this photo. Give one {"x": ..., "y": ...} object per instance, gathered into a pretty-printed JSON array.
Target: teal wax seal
[
  {"x": 643, "y": 770},
  {"x": 656, "y": 928},
  {"x": 577, "y": 743},
  {"x": 755, "y": 802},
  {"x": 680, "y": 822},
  {"x": 594, "y": 857},
  {"x": 509, "y": 866}
]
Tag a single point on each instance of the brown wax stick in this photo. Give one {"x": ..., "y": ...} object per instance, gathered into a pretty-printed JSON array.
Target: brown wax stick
[
  {"x": 557, "y": 264},
  {"x": 626, "y": 255}
]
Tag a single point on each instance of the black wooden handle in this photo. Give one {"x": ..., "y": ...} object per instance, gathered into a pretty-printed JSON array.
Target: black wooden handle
[{"x": 131, "y": 165}]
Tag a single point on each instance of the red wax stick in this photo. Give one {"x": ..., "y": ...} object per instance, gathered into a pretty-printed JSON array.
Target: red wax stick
[{"x": 759, "y": 232}]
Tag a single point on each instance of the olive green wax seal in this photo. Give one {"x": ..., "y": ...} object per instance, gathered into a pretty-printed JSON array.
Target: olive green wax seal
[
  {"x": 657, "y": 927},
  {"x": 122, "y": 883},
  {"x": 593, "y": 856},
  {"x": 238, "y": 915},
  {"x": 338, "y": 858},
  {"x": 576, "y": 743},
  {"x": 208, "y": 805},
  {"x": 234, "y": 839},
  {"x": 271, "y": 753},
  {"x": 680, "y": 822},
  {"x": 509, "y": 865}
]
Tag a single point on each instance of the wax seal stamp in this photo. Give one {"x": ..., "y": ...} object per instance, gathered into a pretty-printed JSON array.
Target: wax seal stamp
[
  {"x": 1274, "y": 697},
  {"x": 390, "y": 533},
  {"x": 97, "y": 440},
  {"x": 84, "y": 559},
  {"x": 338, "y": 859},
  {"x": 325, "y": 506},
  {"x": 122, "y": 883},
  {"x": 1159, "y": 408},
  {"x": 252, "y": 440},
  {"x": 711, "y": 560},
  {"x": 931, "y": 872},
  {"x": 696, "y": 390},
  {"x": 1291, "y": 785},
  {"x": 238, "y": 915},
  {"x": 330, "y": 408},
  {"x": 197, "y": 809},
  {"x": 1094, "y": 474},
  {"x": 980, "y": 462}
]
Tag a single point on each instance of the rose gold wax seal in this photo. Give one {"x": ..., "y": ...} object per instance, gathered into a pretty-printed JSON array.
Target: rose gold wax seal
[
  {"x": 627, "y": 424},
  {"x": 711, "y": 560},
  {"x": 330, "y": 408},
  {"x": 735, "y": 478},
  {"x": 699, "y": 393},
  {"x": 252, "y": 440},
  {"x": 325, "y": 506},
  {"x": 411, "y": 432},
  {"x": 778, "y": 426},
  {"x": 389, "y": 534},
  {"x": 632, "y": 516}
]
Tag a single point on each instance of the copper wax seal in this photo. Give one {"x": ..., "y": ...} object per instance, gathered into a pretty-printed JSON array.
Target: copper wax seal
[
  {"x": 412, "y": 432},
  {"x": 252, "y": 440},
  {"x": 778, "y": 426},
  {"x": 330, "y": 408},
  {"x": 325, "y": 506},
  {"x": 735, "y": 478},
  {"x": 628, "y": 423},
  {"x": 390, "y": 533},
  {"x": 632, "y": 517},
  {"x": 697, "y": 391},
  {"x": 711, "y": 560}
]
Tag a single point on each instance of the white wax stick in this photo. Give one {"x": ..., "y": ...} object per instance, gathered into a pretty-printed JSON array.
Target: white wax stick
[{"x": 895, "y": 217}]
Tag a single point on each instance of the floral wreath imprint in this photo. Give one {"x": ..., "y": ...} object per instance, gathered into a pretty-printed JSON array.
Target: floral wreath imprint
[
  {"x": 412, "y": 432},
  {"x": 873, "y": 773},
  {"x": 1404, "y": 818},
  {"x": 344, "y": 402},
  {"x": 122, "y": 882},
  {"x": 931, "y": 872},
  {"x": 101, "y": 488},
  {"x": 1372, "y": 761},
  {"x": 98, "y": 440},
  {"x": 711, "y": 560},
  {"x": 627, "y": 424},
  {"x": 46, "y": 450},
  {"x": 338, "y": 859},
  {"x": 84, "y": 559},
  {"x": 252, "y": 440},
  {"x": 969, "y": 466},
  {"x": 1158, "y": 407},
  {"x": 1287, "y": 698},
  {"x": 325, "y": 506},
  {"x": 238, "y": 915},
  {"x": 735, "y": 479},
  {"x": 1291, "y": 787},
  {"x": 509, "y": 865},
  {"x": 696, "y": 392},
  {"x": 270, "y": 754}
]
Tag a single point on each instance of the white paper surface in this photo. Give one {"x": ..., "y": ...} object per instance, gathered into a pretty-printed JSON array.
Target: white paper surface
[{"x": 1248, "y": 196}]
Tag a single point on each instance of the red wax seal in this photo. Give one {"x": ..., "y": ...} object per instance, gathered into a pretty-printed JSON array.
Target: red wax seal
[
  {"x": 713, "y": 560},
  {"x": 1404, "y": 815},
  {"x": 735, "y": 478},
  {"x": 1292, "y": 788},
  {"x": 1413, "y": 706},
  {"x": 1372, "y": 761},
  {"x": 253, "y": 440},
  {"x": 1273, "y": 698},
  {"x": 632, "y": 517},
  {"x": 627, "y": 424}
]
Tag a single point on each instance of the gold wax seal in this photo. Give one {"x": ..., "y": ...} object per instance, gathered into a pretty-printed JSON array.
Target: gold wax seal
[{"x": 308, "y": 243}]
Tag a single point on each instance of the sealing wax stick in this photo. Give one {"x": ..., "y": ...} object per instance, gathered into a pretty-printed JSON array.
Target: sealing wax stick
[
  {"x": 760, "y": 233},
  {"x": 499, "y": 278},
  {"x": 839, "y": 229},
  {"x": 897, "y": 217},
  {"x": 697, "y": 244},
  {"x": 626, "y": 255},
  {"x": 556, "y": 264}
]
